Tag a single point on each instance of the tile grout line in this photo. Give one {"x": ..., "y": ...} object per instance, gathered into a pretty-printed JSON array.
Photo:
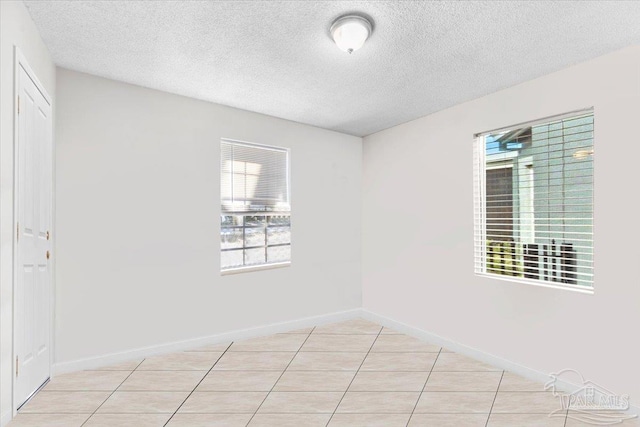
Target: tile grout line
[
  {"x": 356, "y": 374},
  {"x": 322, "y": 370},
  {"x": 289, "y": 413},
  {"x": 112, "y": 393},
  {"x": 320, "y": 351},
  {"x": 196, "y": 386},
  {"x": 281, "y": 374},
  {"x": 422, "y": 390},
  {"x": 494, "y": 399}
]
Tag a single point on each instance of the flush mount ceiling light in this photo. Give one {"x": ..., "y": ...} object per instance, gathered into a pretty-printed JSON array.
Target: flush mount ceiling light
[{"x": 350, "y": 32}]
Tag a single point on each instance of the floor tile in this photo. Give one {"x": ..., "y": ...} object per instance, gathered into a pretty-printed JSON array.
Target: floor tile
[
  {"x": 525, "y": 420},
  {"x": 65, "y": 402},
  {"x": 399, "y": 362},
  {"x": 314, "y": 381},
  {"x": 128, "y": 365},
  {"x": 258, "y": 361},
  {"x": 221, "y": 402},
  {"x": 301, "y": 402},
  {"x": 305, "y": 331},
  {"x": 278, "y": 342},
  {"x": 182, "y": 361},
  {"x": 289, "y": 420},
  {"x": 354, "y": 326},
  {"x": 378, "y": 402},
  {"x": 454, "y": 362},
  {"x": 299, "y": 379},
  {"x": 143, "y": 402},
  {"x": 369, "y": 420},
  {"x": 532, "y": 402},
  {"x": 211, "y": 348},
  {"x": 403, "y": 344},
  {"x": 87, "y": 381},
  {"x": 449, "y": 420},
  {"x": 239, "y": 381},
  {"x": 47, "y": 420},
  {"x": 389, "y": 381},
  {"x": 209, "y": 420},
  {"x": 329, "y": 361},
  {"x": 513, "y": 382},
  {"x": 162, "y": 381},
  {"x": 452, "y": 402},
  {"x": 339, "y": 343},
  {"x": 137, "y": 420},
  {"x": 587, "y": 420},
  {"x": 632, "y": 422},
  {"x": 463, "y": 381}
]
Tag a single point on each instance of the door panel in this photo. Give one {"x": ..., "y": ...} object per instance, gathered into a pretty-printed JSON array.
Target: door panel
[{"x": 33, "y": 215}]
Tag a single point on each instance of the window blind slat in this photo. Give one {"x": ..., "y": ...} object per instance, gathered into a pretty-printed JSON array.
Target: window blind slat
[{"x": 254, "y": 178}]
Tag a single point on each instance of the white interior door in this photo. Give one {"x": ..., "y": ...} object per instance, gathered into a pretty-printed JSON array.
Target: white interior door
[{"x": 32, "y": 331}]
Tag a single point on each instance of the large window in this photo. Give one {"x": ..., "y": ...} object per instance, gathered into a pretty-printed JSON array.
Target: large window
[
  {"x": 534, "y": 202},
  {"x": 255, "y": 227}
]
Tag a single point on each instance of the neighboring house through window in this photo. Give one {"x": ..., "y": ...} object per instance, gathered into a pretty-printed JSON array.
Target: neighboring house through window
[
  {"x": 534, "y": 202},
  {"x": 255, "y": 227}
]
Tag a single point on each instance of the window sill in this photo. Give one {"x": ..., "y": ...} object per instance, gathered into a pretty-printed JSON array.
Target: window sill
[
  {"x": 250, "y": 268},
  {"x": 552, "y": 285}
]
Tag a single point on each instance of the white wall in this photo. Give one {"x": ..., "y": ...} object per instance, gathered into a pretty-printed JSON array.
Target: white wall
[
  {"x": 16, "y": 29},
  {"x": 138, "y": 213},
  {"x": 418, "y": 230}
]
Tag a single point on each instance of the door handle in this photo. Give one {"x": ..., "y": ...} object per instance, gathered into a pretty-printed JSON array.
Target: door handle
[{"x": 48, "y": 254}]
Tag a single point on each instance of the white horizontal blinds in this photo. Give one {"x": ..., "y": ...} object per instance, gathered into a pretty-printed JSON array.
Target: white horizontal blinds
[
  {"x": 534, "y": 201},
  {"x": 479, "y": 210},
  {"x": 255, "y": 224},
  {"x": 254, "y": 178}
]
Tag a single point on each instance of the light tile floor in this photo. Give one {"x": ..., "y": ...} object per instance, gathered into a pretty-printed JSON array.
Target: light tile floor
[{"x": 353, "y": 373}]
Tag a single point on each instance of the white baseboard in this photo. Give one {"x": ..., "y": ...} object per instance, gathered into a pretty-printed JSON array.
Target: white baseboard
[
  {"x": 109, "y": 359},
  {"x": 5, "y": 417},
  {"x": 476, "y": 354}
]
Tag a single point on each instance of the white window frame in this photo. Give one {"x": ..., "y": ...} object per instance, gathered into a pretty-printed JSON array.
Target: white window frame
[
  {"x": 265, "y": 266},
  {"x": 498, "y": 161}
]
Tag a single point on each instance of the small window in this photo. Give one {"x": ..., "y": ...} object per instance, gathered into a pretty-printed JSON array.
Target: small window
[
  {"x": 255, "y": 226},
  {"x": 534, "y": 202}
]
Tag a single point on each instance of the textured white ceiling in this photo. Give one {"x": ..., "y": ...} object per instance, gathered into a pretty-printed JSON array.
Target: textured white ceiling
[{"x": 276, "y": 57}]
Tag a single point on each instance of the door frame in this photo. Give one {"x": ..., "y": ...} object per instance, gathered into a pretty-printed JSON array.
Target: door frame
[{"x": 20, "y": 61}]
